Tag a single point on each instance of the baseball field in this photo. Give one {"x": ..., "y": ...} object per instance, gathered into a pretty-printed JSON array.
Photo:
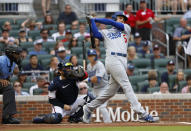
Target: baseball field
[{"x": 100, "y": 127}]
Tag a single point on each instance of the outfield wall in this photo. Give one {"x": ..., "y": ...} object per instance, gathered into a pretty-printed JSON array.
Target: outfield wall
[{"x": 173, "y": 107}]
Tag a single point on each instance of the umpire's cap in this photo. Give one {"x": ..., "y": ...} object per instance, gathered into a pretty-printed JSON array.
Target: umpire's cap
[{"x": 120, "y": 14}]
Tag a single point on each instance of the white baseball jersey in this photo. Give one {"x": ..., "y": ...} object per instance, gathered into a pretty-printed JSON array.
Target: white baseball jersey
[
  {"x": 116, "y": 40},
  {"x": 98, "y": 70}
]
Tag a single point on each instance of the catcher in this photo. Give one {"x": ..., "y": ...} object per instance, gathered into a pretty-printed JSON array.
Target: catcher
[{"x": 63, "y": 95}]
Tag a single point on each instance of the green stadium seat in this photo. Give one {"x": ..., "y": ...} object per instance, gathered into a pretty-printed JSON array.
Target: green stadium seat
[
  {"x": 50, "y": 26},
  {"x": 136, "y": 79},
  {"x": 76, "y": 50},
  {"x": 15, "y": 27},
  {"x": 60, "y": 38},
  {"x": 81, "y": 38},
  {"x": 187, "y": 72},
  {"x": 160, "y": 72},
  {"x": 68, "y": 26},
  {"x": 49, "y": 45},
  {"x": 33, "y": 34},
  {"x": 66, "y": 44},
  {"x": 43, "y": 57},
  {"x": 13, "y": 79},
  {"x": 140, "y": 85},
  {"x": 14, "y": 33},
  {"x": 37, "y": 91},
  {"x": 27, "y": 45},
  {"x": 3, "y": 20},
  {"x": 2, "y": 46},
  {"x": 74, "y": 31},
  {"x": 80, "y": 62},
  {"x": 154, "y": 89},
  {"x": 182, "y": 84},
  {"x": 45, "y": 63},
  {"x": 27, "y": 85},
  {"x": 19, "y": 21},
  {"x": 142, "y": 63},
  {"x": 25, "y": 90},
  {"x": 82, "y": 20},
  {"x": 51, "y": 75},
  {"x": 53, "y": 31},
  {"x": 102, "y": 50},
  {"x": 25, "y": 62},
  {"x": 161, "y": 63},
  {"x": 88, "y": 44}
]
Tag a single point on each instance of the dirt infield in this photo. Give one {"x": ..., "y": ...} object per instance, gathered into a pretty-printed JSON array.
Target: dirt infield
[{"x": 82, "y": 125}]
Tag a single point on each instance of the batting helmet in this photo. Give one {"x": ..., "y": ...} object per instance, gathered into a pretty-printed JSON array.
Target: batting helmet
[
  {"x": 119, "y": 14},
  {"x": 92, "y": 52}
]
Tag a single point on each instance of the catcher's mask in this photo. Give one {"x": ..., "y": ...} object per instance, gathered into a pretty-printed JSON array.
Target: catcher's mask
[{"x": 65, "y": 68}]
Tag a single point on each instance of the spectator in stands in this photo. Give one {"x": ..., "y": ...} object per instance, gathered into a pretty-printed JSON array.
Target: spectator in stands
[
  {"x": 30, "y": 25},
  {"x": 42, "y": 90},
  {"x": 38, "y": 50},
  {"x": 48, "y": 20},
  {"x": 61, "y": 55},
  {"x": 68, "y": 17},
  {"x": 130, "y": 69},
  {"x": 131, "y": 54},
  {"x": 34, "y": 64},
  {"x": 170, "y": 71},
  {"x": 152, "y": 78},
  {"x": 131, "y": 17},
  {"x": 187, "y": 15},
  {"x": 68, "y": 36},
  {"x": 44, "y": 33},
  {"x": 83, "y": 88},
  {"x": 18, "y": 89},
  {"x": 24, "y": 53},
  {"x": 7, "y": 26},
  {"x": 156, "y": 55},
  {"x": 45, "y": 6},
  {"x": 145, "y": 49},
  {"x": 74, "y": 61},
  {"x": 98, "y": 52},
  {"x": 144, "y": 20},
  {"x": 74, "y": 26},
  {"x": 58, "y": 45},
  {"x": 53, "y": 64},
  {"x": 138, "y": 41},
  {"x": 15, "y": 71},
  {"x": 23, "y": 37},
  {"x": 5, "y": 38},
  {"x": 61, "y": 31},
  {"x": 22, "y": 77},
  {"x": 40, "y": 84},
  {"x": 73, "y": 43},
  {"x": 152, "y": 84},
  {"x": 179, "y": 77},
  {"x": 82, "y": 32},
  {"x": 187, "y": 88},
  {"x": 164, "y": 89}
]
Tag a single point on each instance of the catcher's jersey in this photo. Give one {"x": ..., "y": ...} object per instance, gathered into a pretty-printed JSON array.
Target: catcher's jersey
[
  {"x": 116, "y": 40},
  {"x": 98, "y": 70}
]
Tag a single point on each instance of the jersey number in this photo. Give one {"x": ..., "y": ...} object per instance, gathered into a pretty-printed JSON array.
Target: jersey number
[{"x": 125, "y": 37}]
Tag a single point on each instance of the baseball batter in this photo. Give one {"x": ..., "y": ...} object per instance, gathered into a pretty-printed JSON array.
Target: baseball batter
[
  {"x": 99, "y": 80},
  {"x": 116, "y": 43}
]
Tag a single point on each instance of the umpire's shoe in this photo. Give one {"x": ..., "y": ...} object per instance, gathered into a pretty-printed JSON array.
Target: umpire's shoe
[{"x": 10, "y": 120}]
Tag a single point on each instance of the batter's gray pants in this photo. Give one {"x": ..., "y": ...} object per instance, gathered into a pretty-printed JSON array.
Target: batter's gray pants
[{"x": 116, "y": 66}]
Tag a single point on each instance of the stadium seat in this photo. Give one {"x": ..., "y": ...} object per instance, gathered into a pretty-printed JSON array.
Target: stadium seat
[
  {"x": 142, "y": 63},
  {"x": 43, "y": 57},
  {"x": 82, "y": 20},
  {"x": 37, "y": 91},
  {"x": 136, "y": 79},
  {"x": 14, "y": 33},
  {"x": 25, "y": 90},
  {"x": 140, "y": 85},
  {"x": 66, "y": 44},
  {"x": 3, "y": 20},
  {"x": 49, "y": 45},
  {"x": 81, "y": 38},
  {"x": 60, "y": 38},
  {"x": 68, "y": 26},
  {"x": 80, "y": 62},
  {"x": 50, "y": 26},
  {"x": 187, "y": 72},
  {"x": 2, "y": 46},
  {"x": 102, "y": 50},
  {"x": 74, "y": 31},
  {"x": 154, "y": 89},
  {"x": 181, "y": 85},
  {"x": 15, "y": 27},
  {"x": 161, "y": 63},
  {"x": 45, "y": 63},
  {"x": 88, "y": 44},
  {"x": 160, "y": 72},
  {"x": 13, "y": 79},
  {"x": 34, "y": 33},
  {"x": 27, "y": 85},
  {"x": 171, "y": 81},
  {"x": 24, "y": 62},
  {"x": 76, "y": 50},
  {"x": 52, "y": 31},
  {"x": 27, "y": 45},
  {"x": 19, "y": 21}
]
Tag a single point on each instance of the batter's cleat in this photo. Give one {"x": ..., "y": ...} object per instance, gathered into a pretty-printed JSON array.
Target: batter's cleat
[
  {"x": 148, "y": 118},
  {"x": 87, "y": 114},
  {"x": 10, "y": 120}
]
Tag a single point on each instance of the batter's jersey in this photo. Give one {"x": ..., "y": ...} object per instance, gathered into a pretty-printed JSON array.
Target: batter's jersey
[
  {"x": 116, "y": 40},
  {"x": 98, "y": 70}
]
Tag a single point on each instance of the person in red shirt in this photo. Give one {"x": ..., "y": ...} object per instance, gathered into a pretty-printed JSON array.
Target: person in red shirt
[
  {"x": 131, "y": 17},
  {"x": 144, "y": 20}
]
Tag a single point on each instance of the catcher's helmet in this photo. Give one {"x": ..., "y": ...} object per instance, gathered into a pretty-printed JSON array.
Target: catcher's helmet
[
  {"x": 92, "y": 52},
  {"x": 119, "y": 14}
]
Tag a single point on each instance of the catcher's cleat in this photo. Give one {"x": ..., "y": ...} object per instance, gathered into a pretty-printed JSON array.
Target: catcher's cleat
[
  {"x": 38, "y": 119},
  {"x": 148, "y": 118},
  {"x": 87, "y": 114}
]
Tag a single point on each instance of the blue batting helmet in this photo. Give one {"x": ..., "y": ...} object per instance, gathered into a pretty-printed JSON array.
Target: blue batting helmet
[
  {"x": 92, "y": 52},
  {"x": 119, "y": 14}
]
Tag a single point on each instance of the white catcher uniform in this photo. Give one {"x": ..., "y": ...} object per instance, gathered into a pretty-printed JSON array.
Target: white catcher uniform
[
  {"x": 116, "y": 43},
  {"x": 99, "y": 70}
]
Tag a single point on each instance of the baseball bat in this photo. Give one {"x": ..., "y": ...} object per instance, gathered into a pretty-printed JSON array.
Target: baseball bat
[
  {"x": 84, "y": 54},
  {"x": 91, "y": 34}
]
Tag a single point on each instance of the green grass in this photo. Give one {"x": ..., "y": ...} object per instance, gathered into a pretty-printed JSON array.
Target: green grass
[{"x": 139, "y": 128}]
